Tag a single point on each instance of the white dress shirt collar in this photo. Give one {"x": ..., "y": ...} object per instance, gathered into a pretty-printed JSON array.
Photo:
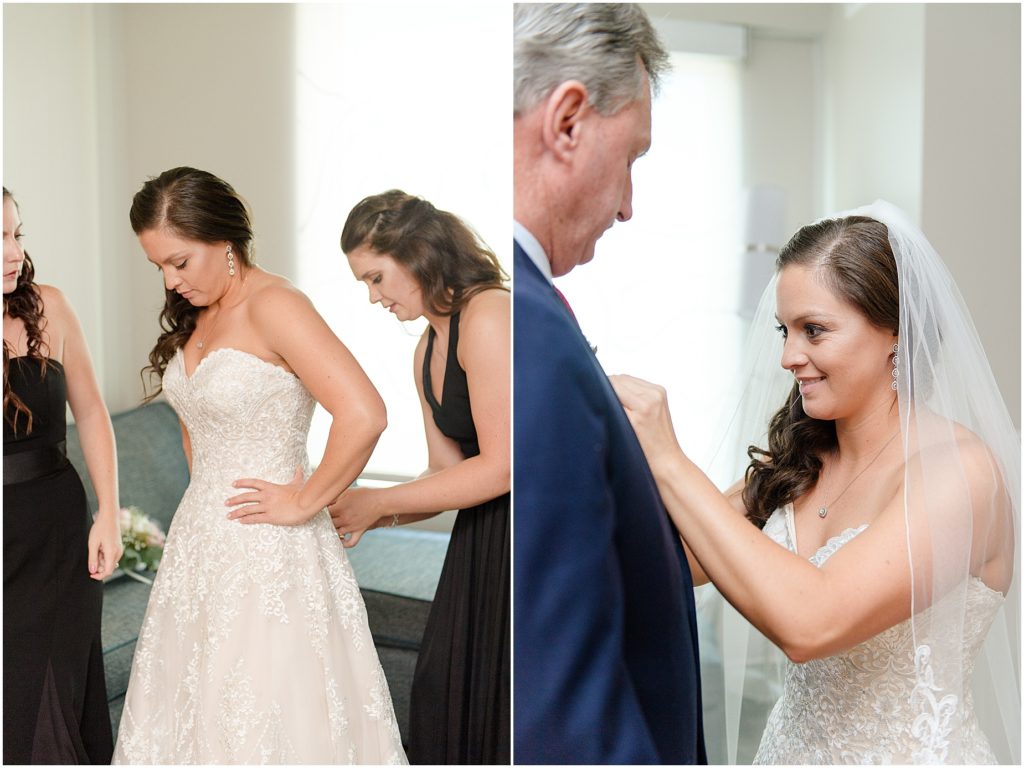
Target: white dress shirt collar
[{"x": 533, "y": 249}]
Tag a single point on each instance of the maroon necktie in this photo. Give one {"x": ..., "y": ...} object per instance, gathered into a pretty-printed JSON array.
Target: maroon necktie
[{"x": 565, "y": 301}]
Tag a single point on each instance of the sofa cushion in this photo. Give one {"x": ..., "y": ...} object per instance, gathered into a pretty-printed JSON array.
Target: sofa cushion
[{"x": 151, "y": 467}]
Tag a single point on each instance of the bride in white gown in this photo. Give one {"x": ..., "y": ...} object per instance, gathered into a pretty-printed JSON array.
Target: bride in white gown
[
  {"x": 255, "y": 646},
  {"x": 887, "y": 488}
]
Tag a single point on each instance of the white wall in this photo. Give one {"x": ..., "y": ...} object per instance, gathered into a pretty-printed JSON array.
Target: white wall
[
  {"x": 924, "y": 110},
  {"x": 873, "y": 78},
  {"x": 792, "y": 20},
  {"x": 50, "y": 159},
  {"x": 915, "y": 103},
  {"x": 971, "y": 203},
  {"x": 98, "y": 98},
  {"x": 781, "y": 122}
]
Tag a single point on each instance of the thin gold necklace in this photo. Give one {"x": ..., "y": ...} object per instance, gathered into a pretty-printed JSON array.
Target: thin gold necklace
[
  {"x": 213, "y": 323},
  {"x": 823, "y": 510},
  {"x": 202, "y": 343}
]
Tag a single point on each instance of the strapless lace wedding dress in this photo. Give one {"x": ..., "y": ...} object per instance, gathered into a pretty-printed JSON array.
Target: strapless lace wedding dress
[
  {"x": 255, "y": 646},
  {"x": 855, "y": 707}
]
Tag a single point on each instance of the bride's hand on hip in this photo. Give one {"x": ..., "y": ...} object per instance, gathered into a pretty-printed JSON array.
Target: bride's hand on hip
[
  {"x": 356, "y": 511},
  {"x": 269, "y": 502},
  {"x": 646, "y": 406}
]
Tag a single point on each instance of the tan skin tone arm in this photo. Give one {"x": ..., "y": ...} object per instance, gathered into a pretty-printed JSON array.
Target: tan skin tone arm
[
  {"x": 442, "y": 452},
  {"x": 94, "y": 429},
  {"x": 808, "y": 612},
  {"x": 334, "y": 378},
  {"x": 451, "y": 481}
]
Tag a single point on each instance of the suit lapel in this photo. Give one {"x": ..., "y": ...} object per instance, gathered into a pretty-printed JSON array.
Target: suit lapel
[{"x": 523, "y": 261}]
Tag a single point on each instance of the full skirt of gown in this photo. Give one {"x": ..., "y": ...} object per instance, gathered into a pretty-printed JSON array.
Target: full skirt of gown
[{"x": 255, "y": 647}]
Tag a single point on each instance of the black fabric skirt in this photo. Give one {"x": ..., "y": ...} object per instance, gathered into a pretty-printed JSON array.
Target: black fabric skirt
[
  {"x": 460, "y": 707},
  {"x": 55, "y": 697}
]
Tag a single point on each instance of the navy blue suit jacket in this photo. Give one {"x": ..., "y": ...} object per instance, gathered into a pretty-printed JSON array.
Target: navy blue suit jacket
[{"x": 606, "y": 665}]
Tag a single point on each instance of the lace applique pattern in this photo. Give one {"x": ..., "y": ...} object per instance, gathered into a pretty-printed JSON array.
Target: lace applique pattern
[
  {"x": 255, "y": 647},
  {"x": 865, "y": 706},
  {"x": 934, "y": 723}
]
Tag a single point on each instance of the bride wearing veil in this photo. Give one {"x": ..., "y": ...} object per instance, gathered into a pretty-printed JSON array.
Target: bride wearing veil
[{"x": 887, "y": 493}]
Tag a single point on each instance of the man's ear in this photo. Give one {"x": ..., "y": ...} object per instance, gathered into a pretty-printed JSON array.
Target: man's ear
[{"x": 564, "y": 110}]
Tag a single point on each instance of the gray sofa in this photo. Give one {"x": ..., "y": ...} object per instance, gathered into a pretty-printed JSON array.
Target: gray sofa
[{"x": 153, "y": 476}]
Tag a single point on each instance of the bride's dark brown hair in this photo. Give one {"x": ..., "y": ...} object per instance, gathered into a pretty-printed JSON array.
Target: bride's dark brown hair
[
  {"x": 853, "y": 258},
  {"x": 25, "y": 303},
  {"x": 193, "y": 205},
  {"x": 448, "y": 260}
]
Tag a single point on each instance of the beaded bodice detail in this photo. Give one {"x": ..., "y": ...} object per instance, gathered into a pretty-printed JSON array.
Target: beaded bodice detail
[{"x": 860, "y": 706}]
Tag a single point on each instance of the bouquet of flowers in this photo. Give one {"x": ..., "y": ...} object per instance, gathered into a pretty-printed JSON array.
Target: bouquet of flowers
[{"x": 143, "y": 542}]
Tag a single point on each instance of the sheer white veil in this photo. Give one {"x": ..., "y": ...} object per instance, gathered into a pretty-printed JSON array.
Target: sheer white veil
[{"x": 962, "y": 510}]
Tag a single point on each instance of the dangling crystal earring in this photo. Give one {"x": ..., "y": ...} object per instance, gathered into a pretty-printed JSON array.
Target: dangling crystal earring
[
  {"x": 895, "y": 366},
  {"x": 231, "y": 261}
]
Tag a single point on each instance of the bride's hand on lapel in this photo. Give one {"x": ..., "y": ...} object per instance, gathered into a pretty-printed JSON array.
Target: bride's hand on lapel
[
  {"x": 646, "y": 407},
  {"x": 269, "y": 502}
]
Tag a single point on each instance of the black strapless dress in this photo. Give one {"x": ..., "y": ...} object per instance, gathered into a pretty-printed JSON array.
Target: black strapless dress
[
  {"x": 460, "y": 706},
  {"x": 55, "y": 696}
]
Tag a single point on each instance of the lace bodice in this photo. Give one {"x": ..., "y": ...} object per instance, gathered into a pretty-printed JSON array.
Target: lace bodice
[
  {"x": 859, "y": 706},
  {"x": 255, "y": 647},
  {"x": 253, "y": 421}
]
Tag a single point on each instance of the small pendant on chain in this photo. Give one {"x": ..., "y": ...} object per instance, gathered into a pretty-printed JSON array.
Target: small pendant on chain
[
  {"x": 199, "y": 345},
  {"x": 822, "y": 512}
]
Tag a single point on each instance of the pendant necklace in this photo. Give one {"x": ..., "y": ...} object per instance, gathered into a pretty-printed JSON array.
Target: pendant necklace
[
  {"x": 823, "y": 509},
  {"x": 202, "y": 343}
]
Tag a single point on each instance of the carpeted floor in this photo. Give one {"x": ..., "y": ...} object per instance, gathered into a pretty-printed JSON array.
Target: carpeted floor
[{"x": 399, "y": 561}]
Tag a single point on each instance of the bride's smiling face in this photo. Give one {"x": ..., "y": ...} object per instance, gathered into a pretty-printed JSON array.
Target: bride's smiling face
[
  {"x": 390, "y": 284},
  {"x": 842, "y": 361},
  {"x": 195, "y": 270}
]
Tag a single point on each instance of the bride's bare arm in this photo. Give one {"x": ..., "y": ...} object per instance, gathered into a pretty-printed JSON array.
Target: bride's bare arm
[
  {"x": 697, "y": 573},
  {"x": 808, "y": 612},
  {"x": 288, "y": 324}
]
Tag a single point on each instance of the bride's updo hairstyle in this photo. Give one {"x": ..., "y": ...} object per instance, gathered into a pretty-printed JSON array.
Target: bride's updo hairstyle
[
  {"x": 447, "y": 259},
  {"x": 193, "y": 205},
  {"x": 853, "y": 258}
]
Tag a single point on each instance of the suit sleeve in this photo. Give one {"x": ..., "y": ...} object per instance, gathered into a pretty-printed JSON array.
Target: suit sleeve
[{"x": 574, "y": 700}]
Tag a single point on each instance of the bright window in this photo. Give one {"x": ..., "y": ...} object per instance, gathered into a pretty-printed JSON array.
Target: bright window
[{"x": 422, "y": 104}]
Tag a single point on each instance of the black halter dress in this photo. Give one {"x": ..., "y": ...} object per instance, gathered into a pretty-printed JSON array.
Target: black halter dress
[
  {"x": 55, "y": 697},
  {"x": 460, "y": 707}
]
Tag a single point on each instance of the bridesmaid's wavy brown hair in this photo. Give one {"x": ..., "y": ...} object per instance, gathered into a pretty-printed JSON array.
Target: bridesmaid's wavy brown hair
[
  {"x": 854, "y": 259},
  {"x": 25, "y": 303},
  {"x": 194, "y": 205},
  {"x": 447, "y": 258}
]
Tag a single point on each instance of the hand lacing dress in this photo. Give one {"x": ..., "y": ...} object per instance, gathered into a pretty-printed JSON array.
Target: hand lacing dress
[
  {"x": 255, "y": 646},
  {"x": 856, "y": 707}
]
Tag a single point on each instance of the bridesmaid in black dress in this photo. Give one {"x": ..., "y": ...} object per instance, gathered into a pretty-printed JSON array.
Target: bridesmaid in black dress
[
  {"x": 55, "y": 557},
  {"x": 419, "y": 261}
]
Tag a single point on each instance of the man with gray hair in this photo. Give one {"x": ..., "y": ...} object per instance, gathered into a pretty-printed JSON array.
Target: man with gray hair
[{"x": 606, "y": 667}]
